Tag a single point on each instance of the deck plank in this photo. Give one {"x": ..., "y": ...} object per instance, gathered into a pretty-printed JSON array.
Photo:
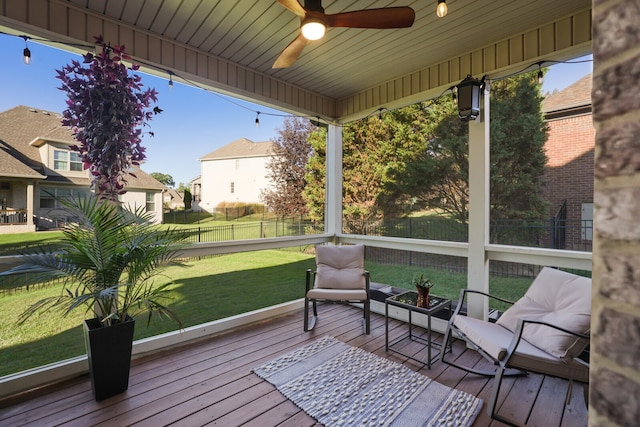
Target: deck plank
[{"x": 210, "y": 382}]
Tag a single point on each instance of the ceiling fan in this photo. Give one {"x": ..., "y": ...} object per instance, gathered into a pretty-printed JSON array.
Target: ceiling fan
[{"x": 314, "y": 22}]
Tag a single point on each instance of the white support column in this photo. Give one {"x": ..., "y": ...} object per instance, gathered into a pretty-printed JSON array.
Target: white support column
[
  {"x": 478, "y": 265},
  {"x": 333, "y": 197},
  {"x": 30, "y": 203}
]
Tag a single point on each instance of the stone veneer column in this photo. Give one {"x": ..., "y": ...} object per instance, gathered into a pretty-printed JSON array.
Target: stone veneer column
[{"x": 615, "y": 356}]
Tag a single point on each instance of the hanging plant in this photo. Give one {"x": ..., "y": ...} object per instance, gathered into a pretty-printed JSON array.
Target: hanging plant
[{"x": 106, "y": 107}]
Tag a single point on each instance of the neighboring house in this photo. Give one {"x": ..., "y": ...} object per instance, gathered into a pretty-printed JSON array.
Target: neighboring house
[
  {"x": 236, "y": 172},
  {"x": 569, "y": 174},
  {"x": 195, "y": 186},
  {"x": 37, "y": 166},
  {"x": 171, "y": 199}
]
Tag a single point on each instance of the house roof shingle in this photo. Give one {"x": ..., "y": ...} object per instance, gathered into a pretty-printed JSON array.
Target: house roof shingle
[
  {"x": 574, "y": 96},
  {"x": 240, "y": 148}
]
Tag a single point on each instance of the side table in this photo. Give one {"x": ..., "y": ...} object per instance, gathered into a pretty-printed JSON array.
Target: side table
[{"x": 408, "y": 300}]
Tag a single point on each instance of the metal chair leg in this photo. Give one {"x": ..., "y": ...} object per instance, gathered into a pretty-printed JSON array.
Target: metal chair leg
[
  {"x": 309, "y": 325},
  {"x": 367, "y": 317}
]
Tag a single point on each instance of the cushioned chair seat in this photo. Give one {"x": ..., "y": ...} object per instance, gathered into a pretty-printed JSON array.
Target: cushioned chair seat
[
  {"x": 337, "y": 294},
  {"x": 339, "y": 276},
  {"x": 495, "y": 339}
]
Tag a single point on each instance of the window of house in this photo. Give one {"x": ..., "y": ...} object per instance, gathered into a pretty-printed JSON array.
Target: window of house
[
  {"x": 237, "y": 164},
  {"x": 587, "y": 221},
  {"x": 66, "y": 161},
  {"x": 233, "y": 187},
  {"x": 50, "y": 196},
  {"x": 151, "y": 203},
  {"x": 75, "y": 164},
  {"x": 60, "y": 160}
]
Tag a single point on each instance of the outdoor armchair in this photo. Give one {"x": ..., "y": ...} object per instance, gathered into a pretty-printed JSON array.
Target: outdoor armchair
[
  {"x": 339, "y": 277},
  {"x": 545, "y": 332}
]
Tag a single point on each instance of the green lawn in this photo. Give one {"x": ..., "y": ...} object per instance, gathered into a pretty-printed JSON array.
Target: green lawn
[
  {"x": 208, "y": 289},
  {"x": 9, "y": 243}
]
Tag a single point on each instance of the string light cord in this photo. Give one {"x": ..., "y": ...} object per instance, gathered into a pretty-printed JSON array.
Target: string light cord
[{"x": 315, "y": 119}]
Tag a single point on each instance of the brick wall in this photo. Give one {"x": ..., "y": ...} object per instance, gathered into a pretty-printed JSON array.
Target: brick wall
[
  {"x": 569, "y": 172},
  {"x": 615, "y": 361}
]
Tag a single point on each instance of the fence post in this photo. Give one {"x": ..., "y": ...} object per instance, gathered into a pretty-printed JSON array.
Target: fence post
[
  {"x": 199, "y": 238},
  {"x": 262, "y": 230}
]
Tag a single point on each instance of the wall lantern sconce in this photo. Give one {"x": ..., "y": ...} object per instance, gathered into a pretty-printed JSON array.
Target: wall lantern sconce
[{"x": 469, "y": 91}]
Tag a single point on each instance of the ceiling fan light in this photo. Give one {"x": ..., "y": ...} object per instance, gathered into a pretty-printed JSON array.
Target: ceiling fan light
[
  {"x": 442, "y": 9},
  {"x": 313, "y": 29}
]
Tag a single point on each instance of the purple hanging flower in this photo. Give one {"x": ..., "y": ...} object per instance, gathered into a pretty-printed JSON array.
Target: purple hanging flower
[{"x": 106, "y": 107}]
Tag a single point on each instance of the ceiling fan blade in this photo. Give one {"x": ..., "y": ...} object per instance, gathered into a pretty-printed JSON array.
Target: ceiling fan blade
[
  {"x": 388, "y": 17},
  {"x": 294, "y": 6},
  {"x": 290, "y": 53}
]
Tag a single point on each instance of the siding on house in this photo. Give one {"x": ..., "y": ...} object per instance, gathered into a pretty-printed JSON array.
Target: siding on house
[{"x": 236, "y": 172}]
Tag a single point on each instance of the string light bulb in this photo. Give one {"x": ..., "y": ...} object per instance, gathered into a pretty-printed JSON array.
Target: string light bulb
[
  {"x": 257, "y": 119},
  {"x": 26, "y": 53},
  {"x": 441, "y": 9}
]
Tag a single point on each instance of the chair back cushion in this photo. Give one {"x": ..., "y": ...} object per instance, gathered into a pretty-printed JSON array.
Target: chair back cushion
[
  {"x": 558, "y": 298},
  {"x": 340, "y": 267}
]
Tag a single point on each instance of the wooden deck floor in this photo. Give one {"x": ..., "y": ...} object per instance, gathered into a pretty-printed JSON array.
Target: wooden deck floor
[{"x": 211, "y": 383}]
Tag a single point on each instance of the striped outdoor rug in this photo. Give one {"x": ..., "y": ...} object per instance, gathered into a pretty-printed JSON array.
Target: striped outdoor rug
[{"x": 340, "y": 385}]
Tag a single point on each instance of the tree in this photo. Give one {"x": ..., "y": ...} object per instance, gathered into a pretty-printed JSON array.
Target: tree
[
  {"x": 373, "y": 149},
  {"x": 440, "y": 175},
  {"x": 437, "y": 176},
  {"x": 418, "y": 157},
  {"x": 181, "y": 187},
  {"x": 518, "y": 160},
  {"x": 187, "y": 199},
  {"x": 315, "y": 176},
  {"x": 164, "y": 178},
  {"x": 286, "y": 169},
  {"x": 106, "y": 106}
]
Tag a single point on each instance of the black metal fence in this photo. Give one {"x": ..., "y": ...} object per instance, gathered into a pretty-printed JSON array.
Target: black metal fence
[
  {"x": 540, "y": 233},
  {"x": 252, "y": 230}
]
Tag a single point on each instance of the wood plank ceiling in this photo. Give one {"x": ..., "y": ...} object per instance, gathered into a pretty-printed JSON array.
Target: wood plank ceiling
[{"x": 230, "y": 45}]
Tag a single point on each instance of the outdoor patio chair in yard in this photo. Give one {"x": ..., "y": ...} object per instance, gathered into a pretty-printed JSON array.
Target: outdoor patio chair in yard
[
  {"x": 339, "y": 277},
  {"x": 544, "y": 332}
]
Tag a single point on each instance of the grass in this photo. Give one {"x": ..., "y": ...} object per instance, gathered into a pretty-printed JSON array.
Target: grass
[
  {"x": 11, "y": 243},
  {"x": 208, "y": 289}
]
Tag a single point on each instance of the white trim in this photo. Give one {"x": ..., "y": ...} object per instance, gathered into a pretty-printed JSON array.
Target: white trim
[
  {"x": 333, "y": 168},
  {"x": 37, "y": 377}
]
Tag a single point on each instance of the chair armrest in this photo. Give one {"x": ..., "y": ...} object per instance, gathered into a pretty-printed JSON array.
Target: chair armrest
[
  {"x": 367, "y": 281},
  {"x": 310, "y": 279},
  {"x": 464, "y": 292},
  {"x": 517, "y": 335}
]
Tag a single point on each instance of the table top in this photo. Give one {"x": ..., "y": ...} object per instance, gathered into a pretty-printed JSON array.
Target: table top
[{"x": 409, "y": 299}]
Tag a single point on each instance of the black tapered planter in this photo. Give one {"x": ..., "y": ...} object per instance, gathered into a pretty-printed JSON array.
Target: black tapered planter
[{"x": 109, "y": 353}]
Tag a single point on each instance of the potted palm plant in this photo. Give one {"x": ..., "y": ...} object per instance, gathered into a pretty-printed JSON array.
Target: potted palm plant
[{"x": 107, "y": 260}]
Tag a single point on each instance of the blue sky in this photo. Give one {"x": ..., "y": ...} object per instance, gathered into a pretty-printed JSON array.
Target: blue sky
[{"x": 193, "y": 123}]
